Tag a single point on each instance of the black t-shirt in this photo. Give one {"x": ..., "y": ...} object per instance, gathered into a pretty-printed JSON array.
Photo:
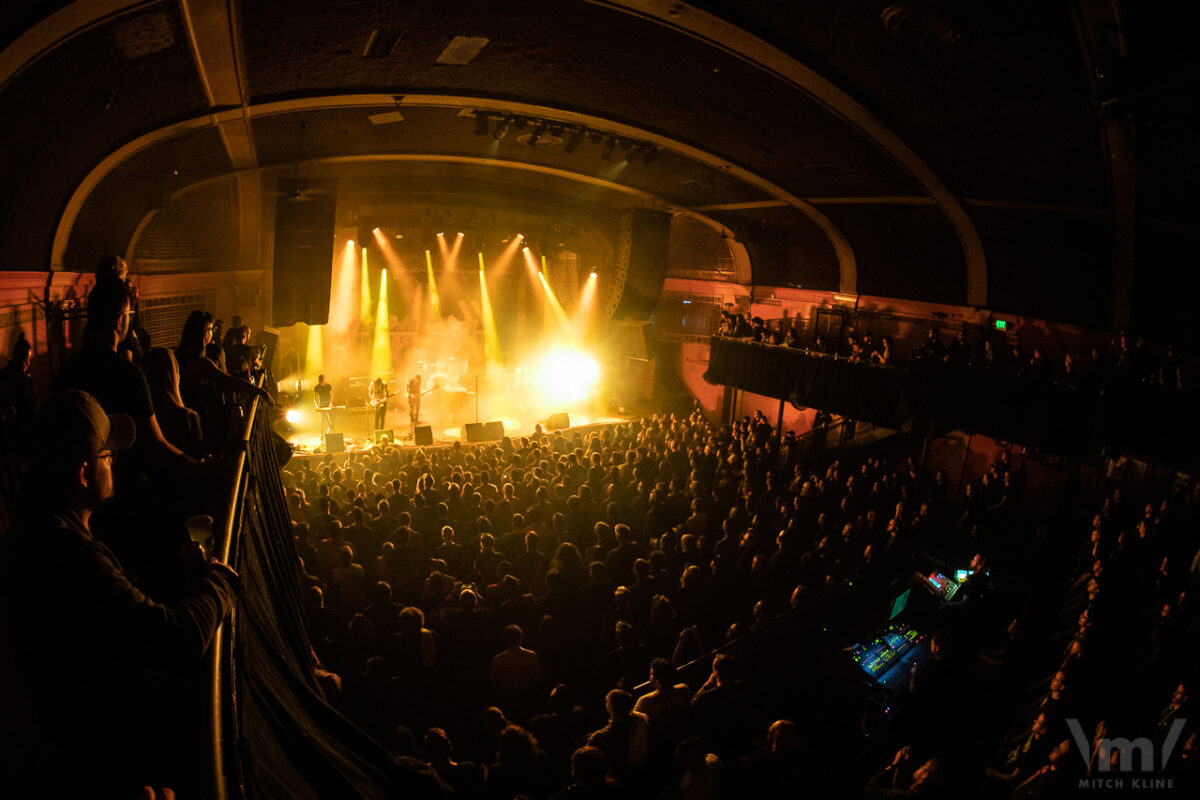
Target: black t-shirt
[
  {"x": 116, "y": 382},
  {"x": 323, "y": 395}
]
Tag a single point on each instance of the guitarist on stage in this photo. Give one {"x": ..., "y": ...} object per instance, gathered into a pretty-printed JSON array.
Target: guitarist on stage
[
  {"x": 413, "y": 391},
  {"x": 379, "y": 396}
]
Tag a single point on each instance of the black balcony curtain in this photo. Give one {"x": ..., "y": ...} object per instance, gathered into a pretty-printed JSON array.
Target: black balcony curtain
[{"x": 292, "y": 743}]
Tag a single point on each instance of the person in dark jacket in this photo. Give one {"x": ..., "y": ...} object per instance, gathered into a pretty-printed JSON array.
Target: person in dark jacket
[{"x": 109, "y": 668}]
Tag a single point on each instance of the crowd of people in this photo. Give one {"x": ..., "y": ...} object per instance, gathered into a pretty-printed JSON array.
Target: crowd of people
[
  {"x": 1126, "y": 357},
  {"x": 657, "y": 608},
  {"x": 529, "y": 619}
]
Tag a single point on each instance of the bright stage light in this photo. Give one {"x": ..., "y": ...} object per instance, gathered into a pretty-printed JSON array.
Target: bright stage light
[
  {"x": 567, "y": 376},
  {"x": 292, "y": 416}
]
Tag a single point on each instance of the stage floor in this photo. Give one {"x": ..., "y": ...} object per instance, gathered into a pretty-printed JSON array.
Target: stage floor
[{"x": 310, "y": 444}]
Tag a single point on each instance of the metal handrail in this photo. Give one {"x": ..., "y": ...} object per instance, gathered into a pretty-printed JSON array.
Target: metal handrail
[{"x": 222, "y": 694}]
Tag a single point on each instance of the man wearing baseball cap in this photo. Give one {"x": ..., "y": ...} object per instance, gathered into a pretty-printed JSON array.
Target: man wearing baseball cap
[{"x": 104, "y": 661}]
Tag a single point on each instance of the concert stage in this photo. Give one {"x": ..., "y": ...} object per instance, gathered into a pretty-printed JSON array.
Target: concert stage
[{"x": 356, "y": 439}]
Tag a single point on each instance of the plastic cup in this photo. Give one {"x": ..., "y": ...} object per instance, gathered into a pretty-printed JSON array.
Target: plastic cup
[{"x": 200, "y": 530}]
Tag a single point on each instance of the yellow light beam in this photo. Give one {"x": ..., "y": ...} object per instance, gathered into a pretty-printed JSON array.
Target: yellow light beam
[
  {"x": 364, "y": 291},
  {"x": 452, "y": 258},
  {"x": 530, "y": 264},
  {"x": 395, "y": 265},
  {"x": 491, "y": 340},
  {"x": 500, "y": 265},
  {"x": 342, "y": 299},
  {"x": 586, "y": 310},
  {"x": 434, "y": 303},
  {"x": 314, "y": 352},
  {"x": 381, "y": 342},
  {"x": 564, "y": 323}
]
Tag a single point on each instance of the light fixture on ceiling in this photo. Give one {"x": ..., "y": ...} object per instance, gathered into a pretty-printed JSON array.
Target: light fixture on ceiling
[
  {"x": 650, "y": 154},
  {"x": 536, "y": 136},
  {"x": 481, "y": 123},
  {"x": 609, "y": 144},
  {"x": 502, "y": 128},
  {"x": 574, "y": 140}
]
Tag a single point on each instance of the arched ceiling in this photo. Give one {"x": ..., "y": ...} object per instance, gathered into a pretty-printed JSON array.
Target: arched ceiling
[{"x": 955, "y": 151}]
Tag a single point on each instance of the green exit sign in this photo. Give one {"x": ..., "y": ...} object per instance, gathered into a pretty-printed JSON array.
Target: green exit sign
[{"x": 1001, "y": 325}]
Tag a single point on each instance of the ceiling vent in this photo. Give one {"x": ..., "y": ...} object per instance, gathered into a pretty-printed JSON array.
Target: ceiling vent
[
  {"x": 911, "y": 22},
  {"x": 144, "y": 35},
  {"x": 462, "y": 50},
  {"x": 381, "y": 43},
  {"x": 385, "y": 117}
]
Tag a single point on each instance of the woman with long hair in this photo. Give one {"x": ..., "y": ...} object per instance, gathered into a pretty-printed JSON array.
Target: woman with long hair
[
  {"x": 197, "y": 373},
  {"x": 180, "y": 424}
]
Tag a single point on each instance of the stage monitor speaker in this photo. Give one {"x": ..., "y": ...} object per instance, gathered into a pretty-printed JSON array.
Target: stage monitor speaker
[
  {"x": 493, "y": 431},
  {"x": 649, "y": 239},
  {"x": 559, "y": 421},
  {"x": 334, "y": 443},
  {"x": 303, "y": 264},
  {"x": 423, "y": 435},
  {"x": 473, "y": 432},
  {"x": 382, "y": 433}
]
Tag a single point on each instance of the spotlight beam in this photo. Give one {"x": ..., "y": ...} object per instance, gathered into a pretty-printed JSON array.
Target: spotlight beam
[
  {"x": 381, "y": 341},
  {"x": 586, "y": 310},
  {"x": 364, "y": 291},
  {"x": 491, "y": 339},
  {"x": 434, "y": 303},
  {"x": 564, "y": 323}
]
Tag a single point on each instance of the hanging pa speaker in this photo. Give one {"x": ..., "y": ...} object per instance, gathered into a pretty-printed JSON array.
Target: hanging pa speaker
[
  {"x": 645, "y": 255},
  {"x": 303, "y": 265}
]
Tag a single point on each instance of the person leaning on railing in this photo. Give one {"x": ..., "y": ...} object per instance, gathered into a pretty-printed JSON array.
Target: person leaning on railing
[{"x": 107, "y": 666}]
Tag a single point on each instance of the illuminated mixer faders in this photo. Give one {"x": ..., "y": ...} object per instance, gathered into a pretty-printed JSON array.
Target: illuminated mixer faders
[{"x": 888, "y": 658}]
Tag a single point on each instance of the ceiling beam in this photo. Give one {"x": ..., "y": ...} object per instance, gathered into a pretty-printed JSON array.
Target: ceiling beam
[
  {"x": 61, "y": 26},
  {"x": 725, "y": 36},
  {"x": 844, "y": 252},
  {"x": 211, "y": 27}
]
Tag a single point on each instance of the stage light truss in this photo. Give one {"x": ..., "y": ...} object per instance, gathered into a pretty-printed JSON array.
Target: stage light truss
[{"x": 571, "y": 135}]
